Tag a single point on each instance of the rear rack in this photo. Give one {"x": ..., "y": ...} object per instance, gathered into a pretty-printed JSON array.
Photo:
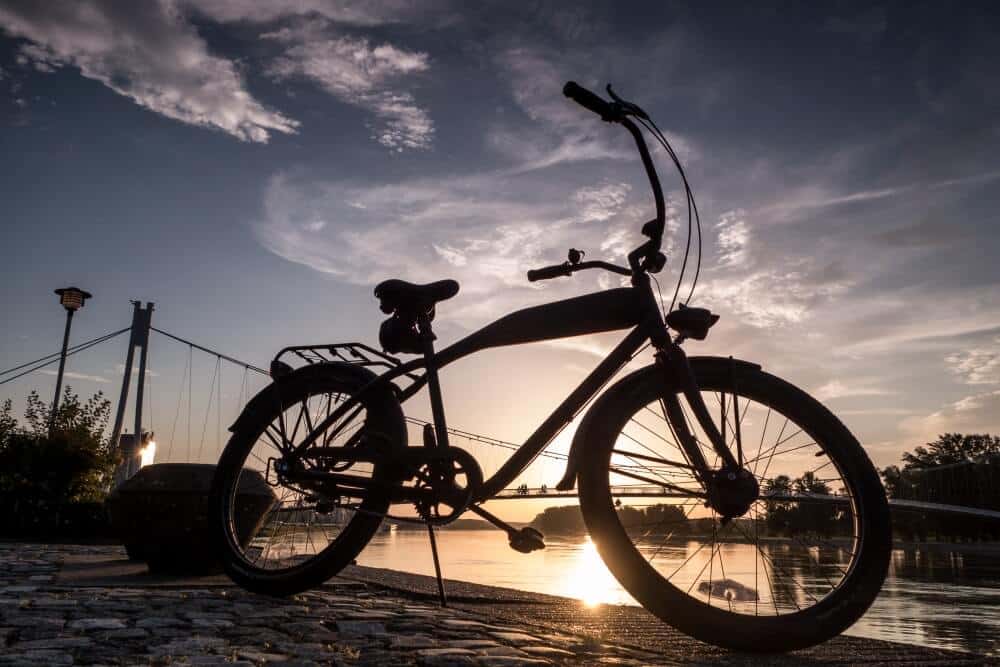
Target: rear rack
[{"x": 352, "y": 353}]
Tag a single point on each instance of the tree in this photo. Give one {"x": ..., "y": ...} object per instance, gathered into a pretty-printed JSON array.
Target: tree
[
  {"x": 793, "y": 517},
  {"x": 654, "y": 520},
  {"x": 42, "y": 472},
  {"x": 566, "y": 519},
  {"x": 779, "y": 513},
  {"x": 952, "y": 448},
  {"x": 954, "y": 469},
  {"x": 814, "y": 517}
]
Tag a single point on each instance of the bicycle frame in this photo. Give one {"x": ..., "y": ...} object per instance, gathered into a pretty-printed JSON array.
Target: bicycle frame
[{"x": 610, "y": 310}]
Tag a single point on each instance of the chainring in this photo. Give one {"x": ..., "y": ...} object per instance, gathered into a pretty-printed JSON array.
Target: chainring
[{"x": 450, "y": 478}]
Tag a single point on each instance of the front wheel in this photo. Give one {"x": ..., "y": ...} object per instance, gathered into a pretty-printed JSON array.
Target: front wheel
[{"x": 801, "y": 565}]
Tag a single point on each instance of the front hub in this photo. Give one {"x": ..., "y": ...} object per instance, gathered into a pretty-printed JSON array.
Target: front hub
[{"x": 731, "y": 491}]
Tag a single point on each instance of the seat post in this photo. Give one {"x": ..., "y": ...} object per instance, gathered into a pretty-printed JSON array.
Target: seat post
[{"x": 427, "y": 337}]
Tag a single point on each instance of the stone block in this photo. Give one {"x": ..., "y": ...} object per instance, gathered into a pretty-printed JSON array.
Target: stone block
[{"x": 161, "y": 515}]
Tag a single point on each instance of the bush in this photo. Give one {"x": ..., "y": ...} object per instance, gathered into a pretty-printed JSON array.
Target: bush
[{"x": 53, "y": 482}]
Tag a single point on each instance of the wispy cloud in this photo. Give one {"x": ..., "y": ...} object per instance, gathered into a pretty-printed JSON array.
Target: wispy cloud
[
  {"x": 976, "y": 413},
  {"x": 601, "y": 203},
  {"x": 484, "y": 229},
  {"x": 149, "y": 53},
  {"x": 732, "y": 236},
  {"x": 559, "y": 132},
  {"x": 365, "y": 13},
  {"x": 360, "y": 73},
  {"x": 837, "y": 389},
  {"x": 980, "y": 365},
  {"x": 73, "y": 375},
  {"x": 120, "y": 368},
  {"x": 814, "y": 197}
]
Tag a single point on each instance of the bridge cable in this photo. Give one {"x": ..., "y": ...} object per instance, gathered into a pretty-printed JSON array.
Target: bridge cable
[
  {"x": 208, "y": 408},
  {"x": 69, "y": 352},
  {"x": 231, "y": 360},
  {"x": 485, "y": 439},
  {"x": 177, "y": 411}
]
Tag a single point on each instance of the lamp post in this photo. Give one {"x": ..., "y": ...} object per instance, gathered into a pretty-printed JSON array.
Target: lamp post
[{"x": 72, "y": 299}]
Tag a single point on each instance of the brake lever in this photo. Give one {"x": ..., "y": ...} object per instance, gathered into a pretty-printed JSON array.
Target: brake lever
[{"x": 627, "y": 107}]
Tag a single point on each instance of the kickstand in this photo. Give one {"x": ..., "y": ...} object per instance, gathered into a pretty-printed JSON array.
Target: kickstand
[{"x": 437, "y": 565}]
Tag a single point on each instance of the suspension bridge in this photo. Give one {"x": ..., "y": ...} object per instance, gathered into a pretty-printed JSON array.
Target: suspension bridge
[{"x": 199, "y": 419}]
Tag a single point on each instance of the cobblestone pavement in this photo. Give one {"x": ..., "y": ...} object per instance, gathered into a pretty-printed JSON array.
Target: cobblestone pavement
[
  {"x": 43, "y": 623},
  {"x": 371, "y": 618}
]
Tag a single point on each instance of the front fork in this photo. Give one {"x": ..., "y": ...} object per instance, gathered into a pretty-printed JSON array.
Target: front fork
[{"x": 677, "y": 372}]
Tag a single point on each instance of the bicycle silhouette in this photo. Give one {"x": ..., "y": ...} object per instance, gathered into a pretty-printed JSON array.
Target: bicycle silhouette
[{"x": 772, "y": 527}]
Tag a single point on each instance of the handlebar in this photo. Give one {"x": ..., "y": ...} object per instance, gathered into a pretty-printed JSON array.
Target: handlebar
[
  {"x": 591, "y": 101},
  {"x": 548, "y": 272},
  {"x": 566, "y": 268},
  {"x": 646, "y": 256}
]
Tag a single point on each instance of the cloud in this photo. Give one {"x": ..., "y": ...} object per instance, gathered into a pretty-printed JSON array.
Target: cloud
[
  {"x": 359, "y": 73},
  {"x": 559, "y": 131},
  {"x": 978, "y": 365},
  {"x": 120, "y": 368},
  {"x": 768, "y": 298},
  {"x": 602, "y": 202},
  {"x": 485, "y": 229},
  {"x": 73, "y": 375},
  {"x": 148, "y": 53},
  {"x": 365, "y": 13},
  {"x": 978, "y": 413},
  {"x": 816, "y": 197},
  {"x": 732, "y": 237},
  {"x": 837, "y": 389}
]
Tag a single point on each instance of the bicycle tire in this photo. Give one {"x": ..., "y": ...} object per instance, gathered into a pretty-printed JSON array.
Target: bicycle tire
[
  {"x": 382, "y": 412},
  {"x": 832, "y": 614}
]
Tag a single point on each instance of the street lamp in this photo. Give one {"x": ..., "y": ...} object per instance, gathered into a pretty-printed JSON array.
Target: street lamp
[{"x": 72, "y": 299}]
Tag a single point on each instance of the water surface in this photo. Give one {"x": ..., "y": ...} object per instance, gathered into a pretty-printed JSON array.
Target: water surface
[{"x": 940, "y": 597}]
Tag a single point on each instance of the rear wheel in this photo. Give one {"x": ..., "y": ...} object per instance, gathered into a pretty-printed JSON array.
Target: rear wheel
[
  {"x": 304, "y": 537},
  {"x": 799, "y": 567}
]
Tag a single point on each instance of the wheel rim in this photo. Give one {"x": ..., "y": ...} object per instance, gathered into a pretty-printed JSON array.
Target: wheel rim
[
  {"x": 301, "y": 524},
  {"x": 794, "y": 547}
]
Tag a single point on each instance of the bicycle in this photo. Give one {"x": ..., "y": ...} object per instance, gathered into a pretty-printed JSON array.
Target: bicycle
[{"x": 773, "y": 477}]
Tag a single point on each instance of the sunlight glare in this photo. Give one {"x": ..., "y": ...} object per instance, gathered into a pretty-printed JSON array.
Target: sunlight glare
[
  {"x": 591, "y": 581},
  {"x": 147, "y": 454}
]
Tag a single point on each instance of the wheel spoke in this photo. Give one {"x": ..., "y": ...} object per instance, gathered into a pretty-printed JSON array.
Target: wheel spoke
[
  {"x": 800, "y": 504},
  {"x": 297, "y": 528}
]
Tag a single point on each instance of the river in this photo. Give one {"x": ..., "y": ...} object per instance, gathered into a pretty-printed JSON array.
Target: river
[{"x": 940, "y": 597}]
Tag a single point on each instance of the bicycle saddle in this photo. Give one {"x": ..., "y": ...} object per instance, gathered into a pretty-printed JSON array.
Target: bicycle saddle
[{"x": 399, "y": 295}]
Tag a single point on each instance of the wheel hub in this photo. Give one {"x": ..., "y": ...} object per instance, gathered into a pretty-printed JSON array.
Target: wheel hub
[{"x": 732, "y": 491}]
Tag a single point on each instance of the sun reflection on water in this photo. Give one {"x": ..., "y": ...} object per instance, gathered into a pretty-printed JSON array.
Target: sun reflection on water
[{"x": 589, "y": 579}]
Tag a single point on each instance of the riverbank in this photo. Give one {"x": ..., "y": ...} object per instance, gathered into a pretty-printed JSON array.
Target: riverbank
[{"x": 74, "y": 604}]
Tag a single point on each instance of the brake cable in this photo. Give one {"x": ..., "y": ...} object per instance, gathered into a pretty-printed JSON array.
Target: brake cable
[
  {"x": 694, "y": 205},
  {"x": 630, "y": 108},
  {"x": 693, "y": 214}
]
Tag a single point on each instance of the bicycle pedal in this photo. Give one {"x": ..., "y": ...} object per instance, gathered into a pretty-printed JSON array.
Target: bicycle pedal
[{"x": 526, "y": 540}]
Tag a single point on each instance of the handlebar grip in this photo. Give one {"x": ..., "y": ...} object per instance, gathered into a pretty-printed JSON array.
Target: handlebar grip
[
  {"x": 548, "y": 272},
  {"x": 589, "y": 100}
]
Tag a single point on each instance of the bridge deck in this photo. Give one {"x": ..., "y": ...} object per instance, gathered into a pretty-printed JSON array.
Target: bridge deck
[{"x": 651, "y": 491}]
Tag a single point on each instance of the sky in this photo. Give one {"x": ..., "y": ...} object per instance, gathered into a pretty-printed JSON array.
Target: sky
[{"x": 255, "y": 168}]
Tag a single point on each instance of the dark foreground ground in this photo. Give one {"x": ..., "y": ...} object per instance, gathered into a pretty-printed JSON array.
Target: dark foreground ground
[{"x": 70, "y": 604}]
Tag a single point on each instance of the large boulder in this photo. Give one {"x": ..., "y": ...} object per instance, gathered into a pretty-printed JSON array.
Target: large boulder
[{"x": 161, "y": 515}]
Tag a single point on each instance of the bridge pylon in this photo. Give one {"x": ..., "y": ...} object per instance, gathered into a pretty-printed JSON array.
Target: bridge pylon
[{"x": 130, "y": 446}]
